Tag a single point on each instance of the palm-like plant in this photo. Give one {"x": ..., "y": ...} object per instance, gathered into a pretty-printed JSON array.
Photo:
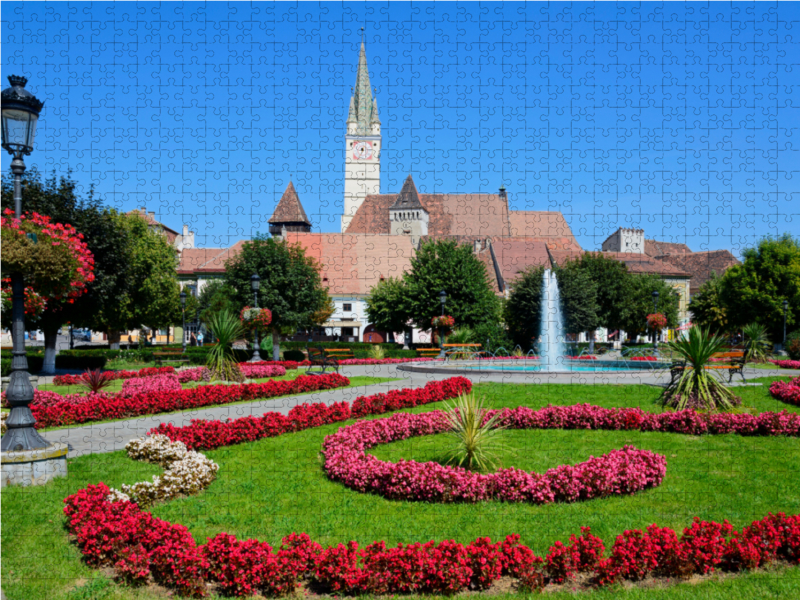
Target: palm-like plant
[
  {"x": 697, "y": 387},
  {"x": 475, "y": 442},
  {"x": 377, "y": 352},
  {"x": 758, "y": 344},
  {"x": 221, "y": 361},
  {"x": 96, "y": 380}
]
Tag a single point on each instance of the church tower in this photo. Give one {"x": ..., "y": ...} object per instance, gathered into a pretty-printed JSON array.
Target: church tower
[{"x": 362, "y": 165}]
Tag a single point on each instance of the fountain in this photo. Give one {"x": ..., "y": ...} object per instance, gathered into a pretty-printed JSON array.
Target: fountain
[{"x": 551, "y": 334}]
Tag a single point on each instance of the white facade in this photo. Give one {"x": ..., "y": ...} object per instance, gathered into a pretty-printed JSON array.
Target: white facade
[
  {"x": 625, "y": 240},
  {"x": 362, "y": 171}
]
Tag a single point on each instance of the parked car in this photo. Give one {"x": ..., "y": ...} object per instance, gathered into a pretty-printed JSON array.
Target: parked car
[{"x": 82, "y": 335}]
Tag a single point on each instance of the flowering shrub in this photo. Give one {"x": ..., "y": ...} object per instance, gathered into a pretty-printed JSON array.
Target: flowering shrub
[
  {"x": 146, "y": 372},
  {"x": 59, "y": 265},
  {"x": 47, "y": 398},
  {"x": 255, "y": 318},
  {"x": 447, "y": 322},
  {"x": 624, "y": 471},
  {"x": 149, "y": 385},
  {"x": 656, "y": 321},
  {"x": 202, "y": 434},
  {"x": 783, "y": 364},
  {"x": 788, "y": 391},
  {"x": 642, "y": 358},
  {"x": 260, "y": 371},
  {"x": 583, "y": 357},
  {"x": 101, "y": 407},
  {"x": 34, "y": 303}
]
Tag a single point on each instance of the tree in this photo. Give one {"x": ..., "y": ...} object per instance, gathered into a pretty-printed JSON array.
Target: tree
[
  {"x": 523, "y": 310},
  {"x": 215, "y": 296},
  {"x": 322, "y": 316},
  {"x": 386, "y": 306},
  {"x": 706, "y": 306},
  {"x": 612, "y": 282},
  {"x": 446, "y": 265},
  {"x": 290, "y": 284},
  {"x": 578, "y": 293},
  {"x": 754, "y": 291},
  {"x": 640, "y": 303}
]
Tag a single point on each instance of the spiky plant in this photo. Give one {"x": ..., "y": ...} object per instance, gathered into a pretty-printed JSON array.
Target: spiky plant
[
  {"x": 757, "y": 343},
  {"x": 96, "y": 380},
  {"x": 377, "y": 352},
  {"x": 697, "y": 387},
  {"x": 221, "y": 361},
  {"x": 475, "y": 441},
  {"x": 461, "y": 335}
]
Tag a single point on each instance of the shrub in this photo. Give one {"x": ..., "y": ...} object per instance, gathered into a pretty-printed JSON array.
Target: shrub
[
  {"x": 474, "y": 441},
  {"x": 793, "y": 345},
  {"x": 221, "y": 360}
]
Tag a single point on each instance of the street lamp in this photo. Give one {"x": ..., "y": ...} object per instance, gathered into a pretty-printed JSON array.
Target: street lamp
[
  {"x": 20, "y": 113},
  {"x": 255, "y": 284},
  {"x": 442, "y": 299},
  {"x": 785, "y": 306},
  {"x": 183, "y": 317},
  {"x": 655, "y": 310}
]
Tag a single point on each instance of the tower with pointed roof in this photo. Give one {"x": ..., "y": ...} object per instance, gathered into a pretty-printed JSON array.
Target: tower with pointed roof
[
  {"x": 407, "y": 216},
  {"x": 362, "y": 170},
  {"x": 289, "y": 215}
]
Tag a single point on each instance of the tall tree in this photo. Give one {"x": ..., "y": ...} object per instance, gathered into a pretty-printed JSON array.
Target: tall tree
[
  {"x": 640, "y": 303},
  {"x": 291, "y": 286},
  {"x": 612, "y": 282},
  {"x": 707, "y": 308},
  {"x": 578, "y": 292},
  {"x": 523, "y": 310},
  {"x": 216, "y": 296},
  {"x": 386, "y": 306},
  {"x": 446, "y": 265},
  {"x": 754, "y": 291}
]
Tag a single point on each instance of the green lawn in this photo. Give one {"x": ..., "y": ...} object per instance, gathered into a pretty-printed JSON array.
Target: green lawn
[{"x": 273, "y": 487}]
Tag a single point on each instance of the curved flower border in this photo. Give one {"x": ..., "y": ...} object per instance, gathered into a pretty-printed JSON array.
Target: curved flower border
[
  {"x": 787, "y": 391},
  {"x": 619, "y": 472}
]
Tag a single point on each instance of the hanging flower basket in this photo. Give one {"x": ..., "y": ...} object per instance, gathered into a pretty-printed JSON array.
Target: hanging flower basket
[
  {"x": 256, "y": 318},
  {"x": 657, "y": 321},
  {"x": 34, "y": 303},
  {"x": 53, "y": 258},
  {"x": 447, "y": 322}
]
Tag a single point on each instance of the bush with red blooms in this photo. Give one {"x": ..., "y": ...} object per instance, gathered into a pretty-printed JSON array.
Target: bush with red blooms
[
  {"x": 642, "y": 358},
  {"x": 656, "y": 321},
  {"x": 150, "y": 385},
  {"x": 97, "y": 408},
  {"x": 787, "y": 391},
  {"x": 207, "y": 435},
  {"x": 256, "y": 318},
  {"x": 618, "y": 472},
  {"x": 146, "y": 372},
  {"x": 783, "y": 364},
  {"x": 58, "y": 265},
  {"x": 34, "y": 303},
  {"x": 446, "y": 322},
  {"x": 137, "y": 545}
]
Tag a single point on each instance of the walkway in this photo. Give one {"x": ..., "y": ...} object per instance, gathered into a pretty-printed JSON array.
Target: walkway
[{"x": 109, "y": 437}]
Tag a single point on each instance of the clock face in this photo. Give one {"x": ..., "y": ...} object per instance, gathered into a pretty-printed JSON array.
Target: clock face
[{"x": 362, "y": 151}]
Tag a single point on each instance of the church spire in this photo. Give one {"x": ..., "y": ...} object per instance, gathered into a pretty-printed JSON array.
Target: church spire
[{"x": 362, "y": 104}]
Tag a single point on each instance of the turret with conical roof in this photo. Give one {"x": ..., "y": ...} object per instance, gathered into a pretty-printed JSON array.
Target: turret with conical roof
[
  {"x": 363, "y": 110},
  {"x": 289, "y": 214},
  {"x": 407, "y": 216}
]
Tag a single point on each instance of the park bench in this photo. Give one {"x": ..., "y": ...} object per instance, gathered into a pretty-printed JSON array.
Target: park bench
[
  {"x": 734, "y": 363},
  {"x": 462, "y": 350},
  {"x": 318, "y": 357},
  {"x": 339, "y": 353},
  {"x": 428, "y": 352},
  {"x": 169, "y": 355}
]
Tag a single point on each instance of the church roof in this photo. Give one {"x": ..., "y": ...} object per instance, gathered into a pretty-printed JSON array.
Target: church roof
[
  {"x": 289, "y": 209},
  {"x": 363, "y": 109},
  {"x": 408, "y": 197}
]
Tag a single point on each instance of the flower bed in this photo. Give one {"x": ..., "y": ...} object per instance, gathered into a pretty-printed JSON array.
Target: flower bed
[
  {"x": 141, "y": 548},
  {"x": 788, "y": 391},
  {"x": 207, "y": 435},
  {"x": 642, "y": 358},
  {"x": 146, "y": 372},
  {"x": 787, "y": 364},
  {"x": 624, "y": 471},
  {"x": 97, "y": 408},
  {"x": 582, "y": 357},
  {"x": 148, "y": 385},
  {"x": 249, "y": 370}
]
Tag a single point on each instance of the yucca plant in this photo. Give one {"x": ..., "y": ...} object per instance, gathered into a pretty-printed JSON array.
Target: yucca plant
[
  {"x": 475, "y": 443},
  {"x": 96, "y": 380},
  {"x": 697, "y": 387},
  {"x": 221, "y": 361},
  {"x": 757, "y": 343},
  {"x": 461, "y": 335},
  {"x": 377, "y": 352}
]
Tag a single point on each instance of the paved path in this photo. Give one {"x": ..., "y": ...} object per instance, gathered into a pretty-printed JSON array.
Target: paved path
[{"x": 109, "y": 437}]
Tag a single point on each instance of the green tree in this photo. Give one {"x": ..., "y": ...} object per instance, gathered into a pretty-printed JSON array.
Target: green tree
[
  {"x": 707, "y": 308},
  {"x": 446, "y": 265},
  {"x": 523, "y": 310},
  {"x": 215, "y": 296},
  {"x": 754, "y": 291},
  {"x": 290, "y": 284},
  {"x": 386, "y": 306},
  {"x": 612, "y": 282},
  {"x": 640, "y": 303},
  {"x": 578, "y": 292}
]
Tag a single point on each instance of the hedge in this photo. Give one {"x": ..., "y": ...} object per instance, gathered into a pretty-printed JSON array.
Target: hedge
[{"x": 35, "y": 362}]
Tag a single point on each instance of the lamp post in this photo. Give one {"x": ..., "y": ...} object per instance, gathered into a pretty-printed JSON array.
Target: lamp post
[
  {"x": 442, "y": 299},
  {"x": 785, "y": 306},
  {"x": 20, "y": 113},
  {"x": 183, "y": 317},
  {"x": 655, "y": 310},
  {"x": 255, "y": 283}
]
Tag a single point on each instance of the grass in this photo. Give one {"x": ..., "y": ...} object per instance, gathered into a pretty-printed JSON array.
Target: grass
[{"x": 273, "y": 487}]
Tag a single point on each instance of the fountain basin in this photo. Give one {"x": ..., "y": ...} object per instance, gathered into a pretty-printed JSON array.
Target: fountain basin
[{"x": 534, "y": 367}]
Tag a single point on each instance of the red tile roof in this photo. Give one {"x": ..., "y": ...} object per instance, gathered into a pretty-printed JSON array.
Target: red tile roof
[
  {"x": 700, "y": 265},
  {"x": 289, "y": 209},
  {"x": 655, "y": 248},
  {"x": 636, "y": 263}
]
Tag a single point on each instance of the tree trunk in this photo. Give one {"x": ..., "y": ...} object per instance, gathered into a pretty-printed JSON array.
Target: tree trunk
[
  {"x": 50, "y": 342},
  {"x": 113, "y": 339},
  {"x": 276, "y": 344}
]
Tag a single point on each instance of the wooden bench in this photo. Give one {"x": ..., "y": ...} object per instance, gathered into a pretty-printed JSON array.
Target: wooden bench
[
  {"x": 428, "y": 352},
  {"x": 318, "y": 357},
  {"x": 339, "y": 353},
  {"x": 734, "y": 363},
  {"x": 169, "y": 355},
  {"x": 462, "y": 349}
]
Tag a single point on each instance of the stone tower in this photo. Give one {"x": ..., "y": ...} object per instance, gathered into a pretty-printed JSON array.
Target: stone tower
[
  {"x": 362, "y": 170},
  {"x": 407, "y": 216}
]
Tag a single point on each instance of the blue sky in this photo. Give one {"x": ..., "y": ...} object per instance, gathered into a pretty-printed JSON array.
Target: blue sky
[{"x": 679, "y": 118}]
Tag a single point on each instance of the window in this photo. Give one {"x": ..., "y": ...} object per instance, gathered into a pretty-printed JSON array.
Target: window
[
  {"x": 347, "y": 331},
  {"x": 347, "y": 307}
]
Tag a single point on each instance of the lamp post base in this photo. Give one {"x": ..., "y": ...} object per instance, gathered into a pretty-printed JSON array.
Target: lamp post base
[{"x": 34, "y": 467}]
